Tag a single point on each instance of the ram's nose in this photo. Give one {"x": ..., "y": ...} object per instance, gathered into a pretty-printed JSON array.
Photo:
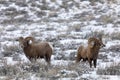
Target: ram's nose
[
  {"x": 103, "y": 45},
  {"x": 16, "y": 40}
]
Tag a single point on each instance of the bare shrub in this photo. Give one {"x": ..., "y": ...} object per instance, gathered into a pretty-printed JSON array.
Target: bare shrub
[
  {"x": 8, "y": 70},
  {"x": 114, "y": 48},
  {"x": 10, "y": 50},
  {"x": 115, "y": 35},
  {"x": 105, "y": 19},
  {"x": 75, "y": 27}
]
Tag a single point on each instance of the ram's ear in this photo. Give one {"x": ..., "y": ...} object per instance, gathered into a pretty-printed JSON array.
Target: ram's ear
[
  {"x": 20, "y": 40},
  {"x": 30, "y": 42},
  {"x": 92, "y": 44}
]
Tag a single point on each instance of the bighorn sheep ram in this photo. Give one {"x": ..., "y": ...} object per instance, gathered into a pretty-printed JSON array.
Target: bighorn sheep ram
[
  {"x": 34, "y": 50},
  {"x": 90, "y": 53}
]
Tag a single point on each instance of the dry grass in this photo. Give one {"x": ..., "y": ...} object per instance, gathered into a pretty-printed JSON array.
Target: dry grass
[
  {"x": 115, "y": 35},
  {"x": 93, "y": 33},
  {"x": 113, "y": 1},
  {"x": 75, "y": 27},
  {"x": 114, "y": 69},
  {"x": 105, "y": 19},
  {"x": 10, "y": 50},
  {"x": 41, "y": 70},
  {"x": 114, "y": 48}
]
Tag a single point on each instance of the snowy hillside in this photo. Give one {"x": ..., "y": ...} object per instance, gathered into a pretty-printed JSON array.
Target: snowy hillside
[{"x": 65, "y": 24}]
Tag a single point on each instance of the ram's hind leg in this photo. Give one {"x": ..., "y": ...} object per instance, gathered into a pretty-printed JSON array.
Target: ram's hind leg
[{"x": 48, "y": 58}]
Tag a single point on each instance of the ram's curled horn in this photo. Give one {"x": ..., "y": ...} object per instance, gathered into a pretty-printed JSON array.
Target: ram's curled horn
[
  {"x": 30, "y": 38},
  {"x": 90, "y": 40}
]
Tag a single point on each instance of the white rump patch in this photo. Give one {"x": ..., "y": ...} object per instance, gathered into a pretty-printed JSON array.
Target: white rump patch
[{"x": 50, "y": 45}]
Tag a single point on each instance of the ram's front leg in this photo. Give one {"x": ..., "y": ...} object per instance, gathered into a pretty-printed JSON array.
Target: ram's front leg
[
  {"x": 78, "y": 58},
  {"x": 90, "y": 62},
  {"x": 95, "y": 62}
]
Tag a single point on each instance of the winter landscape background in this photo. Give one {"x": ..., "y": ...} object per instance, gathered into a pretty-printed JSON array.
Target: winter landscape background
[{"x": 65, "y": 24}]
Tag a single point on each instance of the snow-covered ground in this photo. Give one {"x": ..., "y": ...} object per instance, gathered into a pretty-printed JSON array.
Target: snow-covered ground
[{"x": 65, "y": 24}]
